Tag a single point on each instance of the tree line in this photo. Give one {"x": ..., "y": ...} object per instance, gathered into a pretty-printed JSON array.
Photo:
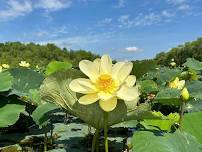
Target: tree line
[
  {"x": 13, "y": 52},
  {"x": 180, "y": 53}
]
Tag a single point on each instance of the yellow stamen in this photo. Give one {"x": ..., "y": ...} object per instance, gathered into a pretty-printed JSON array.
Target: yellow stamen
[{"x": 106, "y": 83}]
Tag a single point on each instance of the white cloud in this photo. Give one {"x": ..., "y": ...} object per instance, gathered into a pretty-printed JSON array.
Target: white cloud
[
  {"x": 42, "y": 33},
  {"x": 15, "y": 8},
  {"x": 104, "y": 22},
  {"x": 78, "y": 41},
  {"x": 51, "y": 33},
  {"x": 148, "y": 19},
  {"x": 176, "y": 2},
  {"x": 124, "y": 18},
  {"x": 125, "y": 21},
  {"x": 167, "y": 13},
  {"x": 184, "y": 7},
  {"x": 132, "y": 49},
  {"x": 181, "y": 5},
  {"x": 121, "y": 3},
  {"x": 75, "y": 42},
  {"x": 145, "y": 19},
  {"x": 53, "y": 5}
]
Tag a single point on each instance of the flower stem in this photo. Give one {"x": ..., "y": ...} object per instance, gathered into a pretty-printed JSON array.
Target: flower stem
[
  {"x": 45, "y": 139},
  {"x": 182, "y": 106},
  {"x": 95, "y": 138},
  {"x": 106, "y": 131},
  {"x": 97, "y": 141},
  {"x": 51, "y": 134}
]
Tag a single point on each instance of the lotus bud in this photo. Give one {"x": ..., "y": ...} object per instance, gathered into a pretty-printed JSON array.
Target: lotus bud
[{"x": 185, "y": 94}]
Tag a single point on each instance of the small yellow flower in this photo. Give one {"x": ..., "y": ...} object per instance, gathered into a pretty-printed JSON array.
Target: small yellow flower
[
  {"x": 5, "y": 66},
  {"x": 107, "y": 83},
  {"x": 173, "y": 64},
  {"x": 37, "y": 67},
  {"x": 1, "y": 69},
  {"x": 185, "y": 94},
  {"x": 177, "y": 84},
  {"x": 24, "y": 64}
]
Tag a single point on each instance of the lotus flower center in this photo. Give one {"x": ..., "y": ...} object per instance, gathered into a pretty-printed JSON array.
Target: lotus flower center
[{"x": 105, "y": 83}]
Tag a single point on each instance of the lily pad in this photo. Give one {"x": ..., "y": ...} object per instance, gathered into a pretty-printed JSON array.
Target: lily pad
[
  {"x": 148, "y": 86},
  {"x": 9, "y": 114},
  {"x": 193, "y": 64},
  {"x": 55, "y": 66},
  {"x": 195, "y": 89},
  {"x": 168, "y": 96},
  {"x": 5, "y": 81},
  {"x": 41, "y": 114},
  {"x": 24, "y": 80},
  {"x": 164, "y": 125},
  {"x": 192, "y": 123},
  {"x": 146, "y": 141},
  {"x": 166, "y": 74}
]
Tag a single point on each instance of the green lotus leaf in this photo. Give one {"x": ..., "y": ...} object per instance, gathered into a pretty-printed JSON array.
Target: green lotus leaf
[
  {"x": 179, "y": 141},
  {"x": 195, "y": 89},
  {"x": 194, "y": 105},
  {"x": 148, "y": 86},
  {"x": 41, "y": 114},
  {"x": 164, "y": 125},
  {"x": 166, "y": 74},
  {"x": 34, "y": 96},
  {"x": 55, "y": 66},
  {"x": 5, "y": 81},
  {"x": 192, "y": 124},
  {"x": 126, "y": 124},
  {"x": 9, "y": 114},
  {"x": 168, "y": 96},
  {"x": 193, "y": 64},
  {"x": 24, "y": 80},
  {"x": 55, "y": 88}
]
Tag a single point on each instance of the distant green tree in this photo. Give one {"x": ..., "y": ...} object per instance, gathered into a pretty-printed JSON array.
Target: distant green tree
[
  {"x": 13, "y": 52},
  {"x": 181, "y": 53}
]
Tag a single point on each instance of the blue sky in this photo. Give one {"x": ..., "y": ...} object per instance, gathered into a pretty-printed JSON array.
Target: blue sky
[{"x": 125, "y": 29}]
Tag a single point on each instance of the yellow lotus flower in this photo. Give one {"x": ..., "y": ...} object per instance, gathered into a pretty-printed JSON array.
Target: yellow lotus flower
[
  {"x": 5, "y": 66},
  {"x": 24, "y": 64},
  {"x": 185, "y": 94},
  {"x": 107, "y": 83},
  {"x": 177, "y": 84}
]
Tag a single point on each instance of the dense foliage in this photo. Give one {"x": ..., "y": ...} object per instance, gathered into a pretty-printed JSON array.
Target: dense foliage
[
  {"x": 13, "y": 52},
  {"x": 181, "y": 53}
]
